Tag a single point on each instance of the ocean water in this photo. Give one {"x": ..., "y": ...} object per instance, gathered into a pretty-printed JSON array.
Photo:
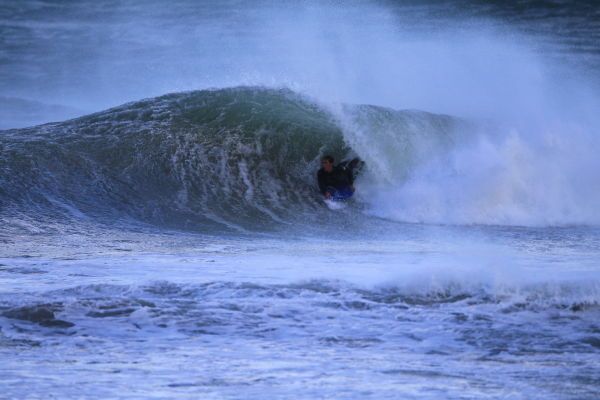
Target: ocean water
[{"x": 161, "y": 233}]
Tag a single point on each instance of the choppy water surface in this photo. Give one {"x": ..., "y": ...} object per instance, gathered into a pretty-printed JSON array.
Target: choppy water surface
[
  {"x": 176, "y": 246},
  {"x": 426, "y": 312}
]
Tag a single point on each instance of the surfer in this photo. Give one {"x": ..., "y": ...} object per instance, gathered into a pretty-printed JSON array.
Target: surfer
[{"x": 337, "y": 182}]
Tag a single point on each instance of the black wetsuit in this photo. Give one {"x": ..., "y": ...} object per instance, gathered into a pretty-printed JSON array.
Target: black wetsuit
[{"x": 340, "y": 178}]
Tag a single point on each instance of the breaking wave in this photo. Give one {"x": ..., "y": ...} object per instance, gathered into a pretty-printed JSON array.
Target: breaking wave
[{"x": 245, "y": 158}]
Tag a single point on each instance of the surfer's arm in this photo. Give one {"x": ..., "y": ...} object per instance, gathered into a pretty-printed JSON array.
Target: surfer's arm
[
  {"x": 322, "y": 184},
  {"x": 324, "y": 189},
  {"x": 349, "y": 168}
]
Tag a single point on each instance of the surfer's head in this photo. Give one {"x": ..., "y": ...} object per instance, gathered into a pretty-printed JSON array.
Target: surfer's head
[{"x": 327, "y": 163}]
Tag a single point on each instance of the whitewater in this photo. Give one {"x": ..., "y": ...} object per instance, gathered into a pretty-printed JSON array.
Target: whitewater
[{"x": 162, "y": 234}]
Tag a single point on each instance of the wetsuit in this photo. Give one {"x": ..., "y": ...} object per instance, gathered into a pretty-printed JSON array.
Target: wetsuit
[{"x": 338, "y": 182}]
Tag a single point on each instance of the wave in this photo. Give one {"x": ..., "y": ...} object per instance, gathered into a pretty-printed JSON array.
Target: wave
[
  {"x": 245, "y": 158},
  {"x": 238, "y": 158},
  {"x": 232, "y": 157},
  {"x": 186, "y": 305}
]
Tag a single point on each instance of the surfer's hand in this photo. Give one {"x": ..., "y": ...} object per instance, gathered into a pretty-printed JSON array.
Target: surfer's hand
[{"x": 327, "y": 195}]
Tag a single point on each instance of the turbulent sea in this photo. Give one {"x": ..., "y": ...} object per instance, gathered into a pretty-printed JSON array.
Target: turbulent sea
[{"x": 162, "y": 234}]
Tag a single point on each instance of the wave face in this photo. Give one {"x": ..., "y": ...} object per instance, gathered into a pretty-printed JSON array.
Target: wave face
[
  {"x": 233, "y": 157},
  {"x": 245, "y": 159}
]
